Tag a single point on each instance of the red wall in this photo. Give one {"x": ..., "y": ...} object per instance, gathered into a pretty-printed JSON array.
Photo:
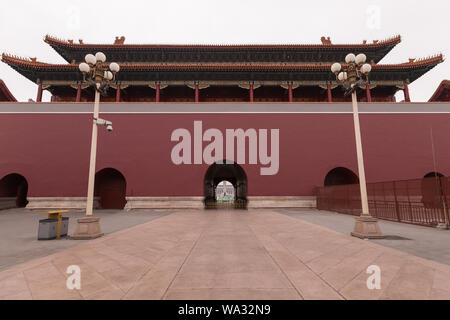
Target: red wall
[{"x": 52, "y": 150}]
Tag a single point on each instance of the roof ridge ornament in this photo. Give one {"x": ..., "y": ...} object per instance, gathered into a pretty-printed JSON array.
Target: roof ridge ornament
[
  {"x": 325, "y": 41},
  {"x": 119, "y": 41},
  {"x": 396, "y": 38},
  {"x": 432, "y": 57},
  {"x": 56, "y": 39}
]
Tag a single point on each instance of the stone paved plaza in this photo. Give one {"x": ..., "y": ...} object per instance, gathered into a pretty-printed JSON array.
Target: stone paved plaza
[
  {"x": 425, "y": 242},
  {"x": 197, "y": 254},
  {"x": 19, "y": 227}
]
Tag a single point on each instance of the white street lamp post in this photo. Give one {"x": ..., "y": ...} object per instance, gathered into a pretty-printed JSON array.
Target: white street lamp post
[
  {"x": 355, "y": 74},
  {"x": 92, "y": 162},
  {"x": 99, "y": 75}
]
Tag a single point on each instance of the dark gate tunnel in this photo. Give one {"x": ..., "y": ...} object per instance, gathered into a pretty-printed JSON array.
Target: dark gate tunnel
[
  {"x": 15, "y": 185},
  {"x": 434, "y": 186},
  {"x": 110, "y": 187},
  {"x": 340, "y": 176},
  {"x": 228, "y": 171}
]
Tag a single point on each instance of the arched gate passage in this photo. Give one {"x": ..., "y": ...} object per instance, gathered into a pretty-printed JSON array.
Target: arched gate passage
[
  {"x": 433, "y": 186},
  {"x": 110, "y": 186},
  {"x": 339, "y": 176},
  {"x": 225, "y": 171},
  {"x": 14, "y": 185}
]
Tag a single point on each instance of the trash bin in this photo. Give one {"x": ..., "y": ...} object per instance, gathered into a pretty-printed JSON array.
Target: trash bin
[
  {"x": 64, "y": 226},
  {"x": 48, "y": 229}
]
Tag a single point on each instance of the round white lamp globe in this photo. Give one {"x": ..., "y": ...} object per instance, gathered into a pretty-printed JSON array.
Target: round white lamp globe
[
  {"x": 366, "y": 68},
  {"x": 342, "y": 76},
  {"x": 114, "y": 67},
  {"x": 108, "y": 75},
  {"x": 90, "y": 58},
  {"x": 360, "y": 59},
  {"x": 336, "y": 67},
  {"x": 350, "y": 58},
  {"x": 100, "y": 56},
  {"x": 84, "y": 67}
]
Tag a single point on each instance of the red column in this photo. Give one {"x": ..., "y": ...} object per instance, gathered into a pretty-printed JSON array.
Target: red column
[
  {"x": 196, "y": 92},
  {"x": 78, "y": 99},
  {"x": 368, "y": 94},
  {"x": 39, "y": 93},
  {"x": 118, "y": 93},
  {"x": 330, "y": 96},
  {"x": 290, "y": 92},
  {"x": 406, "y": 91},
  {"x": 251, "y": 92},
  {"x": 157, "y": 93}
]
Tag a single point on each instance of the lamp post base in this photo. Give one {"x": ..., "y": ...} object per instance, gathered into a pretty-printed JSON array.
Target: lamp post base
[
  {"x": 366, "y": 227},
  {"x": 87, "y": 228}
]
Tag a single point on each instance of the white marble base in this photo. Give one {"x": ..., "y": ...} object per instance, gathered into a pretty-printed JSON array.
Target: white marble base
[
  {"x": 282, "y": 202},
  {"x": 59, "y": 203},
  {"x": 163, "y": 203},
  {"x": 170, "y": 202},
  {"x": 197, "y": 202}
]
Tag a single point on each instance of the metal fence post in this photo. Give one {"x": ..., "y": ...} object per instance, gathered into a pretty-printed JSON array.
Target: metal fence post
[
  {"x": 409, "y": 202},
  {"x": 443, "y": 195},
  {"x": 397, "y": 211}
]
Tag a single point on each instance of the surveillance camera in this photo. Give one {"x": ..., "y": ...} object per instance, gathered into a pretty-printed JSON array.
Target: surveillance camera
[
  {"x": 100, "y": 121},
  {"x": 103, "y": 122}
]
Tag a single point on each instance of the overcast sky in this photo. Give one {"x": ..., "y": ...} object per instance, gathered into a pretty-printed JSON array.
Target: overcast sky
[{"x": 423, "y": 25}]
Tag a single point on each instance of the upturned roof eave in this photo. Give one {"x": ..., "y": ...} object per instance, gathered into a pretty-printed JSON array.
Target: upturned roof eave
[
  {"x": 5, "y": 90},
  {"x": 31, "y": 68},
  {"x": 14, "y": 60},
  {"x": 443, "y": 86},
  {"x": 62, "y": 46},
  {"x": 385, "y": 43}
]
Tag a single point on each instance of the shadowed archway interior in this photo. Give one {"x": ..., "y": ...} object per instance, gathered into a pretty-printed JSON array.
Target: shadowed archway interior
[
  {"x": 15, "y": 185},
  {"x": 110, "y": 186},
  {"x": 228, "y": 171},
  {"x": 433, "y": 175},
  {"x": 340, "y": 176},
  {"x": 433, "y": 186}
]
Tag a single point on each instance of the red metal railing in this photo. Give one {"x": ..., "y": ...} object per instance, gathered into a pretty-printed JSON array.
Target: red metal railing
[{"x": 420, "y": 201}]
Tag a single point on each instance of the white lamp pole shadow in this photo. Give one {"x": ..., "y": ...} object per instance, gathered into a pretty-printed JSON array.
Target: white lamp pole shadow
[
  {"x": 96, "y": 73},
  {"x": 366, "y": 227}
]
